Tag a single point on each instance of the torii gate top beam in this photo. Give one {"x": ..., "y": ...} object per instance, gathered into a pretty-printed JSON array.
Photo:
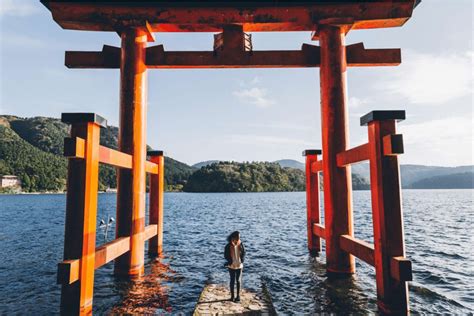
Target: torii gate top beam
[{"x": 212, "y": 16}]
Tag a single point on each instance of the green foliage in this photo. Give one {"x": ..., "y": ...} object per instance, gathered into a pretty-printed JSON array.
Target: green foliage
[
  {"x": 245, "y": 177},
  {"x": 176, "y": 173},
  {"x": 31, "y": 148},
  {"x": 44, "y": 133},
  {"x": 44, "y": 137},
  {"x": 109, "y": 137},
  {"x": 38, "y": 170}
]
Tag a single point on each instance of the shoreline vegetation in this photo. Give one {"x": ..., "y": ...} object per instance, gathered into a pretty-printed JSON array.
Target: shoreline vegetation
[{"x": 31, "y": 149}]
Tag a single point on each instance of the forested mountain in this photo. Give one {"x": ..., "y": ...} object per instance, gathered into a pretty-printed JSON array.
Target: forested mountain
[
  {"x": 31, "y": 148},
  {"x": 245, "y": 177},
  {"x": 37, "y": 169},
  {"x": 225, "y": 176},
  {"x": 451, "y": 181},
  {"x": 290, "y": 163},
  {"x": 201, "y": 164}
]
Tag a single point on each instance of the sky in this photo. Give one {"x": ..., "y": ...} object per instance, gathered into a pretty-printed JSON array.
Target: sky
[{"x": 255, "y": 114}]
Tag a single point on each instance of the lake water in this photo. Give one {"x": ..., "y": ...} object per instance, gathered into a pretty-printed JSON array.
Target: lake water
[{"x": 438, "y": 236}]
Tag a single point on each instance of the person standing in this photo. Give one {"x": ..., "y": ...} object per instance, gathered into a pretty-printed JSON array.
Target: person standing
[{"x": 234, "y": 254}]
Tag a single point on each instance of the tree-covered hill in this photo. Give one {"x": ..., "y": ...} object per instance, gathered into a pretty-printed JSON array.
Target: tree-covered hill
[
  {"x": 245, "y": 177},
  {"x": 253, "y": 177},
  {"x": 37, "y": 136},
  {"x": 37, "y": 169},
  {"x": 31, "y": 148},
  {"x": 201, "y": 164}
]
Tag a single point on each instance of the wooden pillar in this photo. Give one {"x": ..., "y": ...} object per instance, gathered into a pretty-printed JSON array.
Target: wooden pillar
[
  {"x": 392, "y": 294},
  {"x": 337, "y": 180},
  {"x": 132, "y": 140},
  {"x": 157, "y": 185},
  {"x": 81, "y": 213},
  {"x": 312, "y": 200}
]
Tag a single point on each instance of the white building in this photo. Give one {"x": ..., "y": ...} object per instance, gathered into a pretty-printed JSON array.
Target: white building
[{"x": 7, "y": 181}]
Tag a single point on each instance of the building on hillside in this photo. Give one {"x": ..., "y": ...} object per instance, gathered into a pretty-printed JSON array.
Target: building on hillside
[{"x": 8, "y": 181}]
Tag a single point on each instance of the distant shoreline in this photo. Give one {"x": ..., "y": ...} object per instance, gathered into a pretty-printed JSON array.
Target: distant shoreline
[{"x": 115, "y": 192}]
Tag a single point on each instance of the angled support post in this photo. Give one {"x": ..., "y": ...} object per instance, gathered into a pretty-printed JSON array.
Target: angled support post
[
  {"x": 157, "y": 184},
  {"x": 81, "y": 213},
  {"x": 335, "y": 139},
  {"x": 312, "y": 200},
  {"x": 389, "y": 248},
  {"x": 132, "y": 140}
]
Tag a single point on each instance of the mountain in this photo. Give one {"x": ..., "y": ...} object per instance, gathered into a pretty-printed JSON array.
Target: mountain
[
  {"x": 201, "y": 164},
  {"x": 411, "y": 174},
  {"x": 245, "y": 177},
  {"x": 31, "y": 148},
  {"x": 450, "y": 181},
  {"x": 414, "y": 173},
  {"x": 38, "y": 170},
  {"x": 37, "y": 136},
  {"x": 290, "y": 163}
]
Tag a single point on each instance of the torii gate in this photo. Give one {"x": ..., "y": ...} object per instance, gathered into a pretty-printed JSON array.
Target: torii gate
[{"x": 136, "y": 22}]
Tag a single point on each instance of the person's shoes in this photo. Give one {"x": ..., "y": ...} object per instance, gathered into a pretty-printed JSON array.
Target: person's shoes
[
  {"x": 237, "y": 299},
  {"x": 232, "y": 298}
]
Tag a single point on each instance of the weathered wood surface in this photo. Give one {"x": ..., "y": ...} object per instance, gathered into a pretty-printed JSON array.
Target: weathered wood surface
[
  {"x": 215, "y": 300},
  {"x": 211, "y": 16}
]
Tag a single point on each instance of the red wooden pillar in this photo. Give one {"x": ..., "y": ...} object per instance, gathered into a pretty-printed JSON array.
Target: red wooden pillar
[
  {"x": 337, "y": 180},
  {"x": 392, "y": 294},
  {"x": 81, "y": 212},
  {"x": 132, "y": 140},
  {"x": 312, "y": 200},
  {"x": 157, "y": 185}
]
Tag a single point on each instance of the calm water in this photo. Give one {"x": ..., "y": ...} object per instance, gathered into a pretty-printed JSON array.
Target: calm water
[{"x": 438, "y": 232}]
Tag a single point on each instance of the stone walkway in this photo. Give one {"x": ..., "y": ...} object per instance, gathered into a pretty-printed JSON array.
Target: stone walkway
[{"x": 215, "y": 300}]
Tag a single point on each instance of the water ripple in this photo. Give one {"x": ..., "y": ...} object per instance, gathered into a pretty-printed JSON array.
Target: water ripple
[{"x": 273, "y": 225}]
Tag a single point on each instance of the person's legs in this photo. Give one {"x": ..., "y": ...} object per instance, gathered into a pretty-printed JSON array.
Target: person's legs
[
  {"x": 238, "y": 276},
  {"x": 232, "y": 282}
]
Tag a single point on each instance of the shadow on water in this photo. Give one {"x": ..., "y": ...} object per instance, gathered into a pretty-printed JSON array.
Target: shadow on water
[{"x": 148, "y": 294}]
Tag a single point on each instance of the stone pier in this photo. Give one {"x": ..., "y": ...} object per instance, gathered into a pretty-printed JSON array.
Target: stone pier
[{"x": 215, "y": 300}]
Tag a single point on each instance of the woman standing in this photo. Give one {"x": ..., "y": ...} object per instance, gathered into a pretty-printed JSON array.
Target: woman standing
[{"x": 234, "y": 253}]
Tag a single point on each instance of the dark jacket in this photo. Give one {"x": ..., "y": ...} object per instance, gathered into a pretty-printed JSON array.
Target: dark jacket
[{"x": 227, "y": 255}]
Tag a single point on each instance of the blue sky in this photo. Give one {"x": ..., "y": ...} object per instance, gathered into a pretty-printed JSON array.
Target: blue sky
[{"x": 255, "y": 114}]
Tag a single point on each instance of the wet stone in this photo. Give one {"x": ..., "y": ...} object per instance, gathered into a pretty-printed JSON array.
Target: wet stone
[{"x": 215, "y": 300}]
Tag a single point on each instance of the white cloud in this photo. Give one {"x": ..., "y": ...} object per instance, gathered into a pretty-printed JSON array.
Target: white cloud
[
  {"x": 18, "y": 8},
  {"x": 256, "y": 96},
  {"x": 431, "y": 79},
  {"x": 439, "y": 142}
]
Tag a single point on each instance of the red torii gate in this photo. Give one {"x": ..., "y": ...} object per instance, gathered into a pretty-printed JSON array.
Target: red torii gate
[{"x": 136, "y": 22}]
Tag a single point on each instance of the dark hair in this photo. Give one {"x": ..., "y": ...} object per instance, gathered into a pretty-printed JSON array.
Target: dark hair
[{"x": 234, "y": 235}]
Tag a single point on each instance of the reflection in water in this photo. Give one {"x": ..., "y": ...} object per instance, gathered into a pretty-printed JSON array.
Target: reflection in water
[
  {"x": 339, "y": 295},
  {"x": 148, "y": 294}
]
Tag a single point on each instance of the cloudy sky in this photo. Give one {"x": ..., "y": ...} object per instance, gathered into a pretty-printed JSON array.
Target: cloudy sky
[{"x": 258, "y": 114}]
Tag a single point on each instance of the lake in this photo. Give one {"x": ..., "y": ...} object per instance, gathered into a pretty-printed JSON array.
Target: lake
[{"x": 438, "y": 237}]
